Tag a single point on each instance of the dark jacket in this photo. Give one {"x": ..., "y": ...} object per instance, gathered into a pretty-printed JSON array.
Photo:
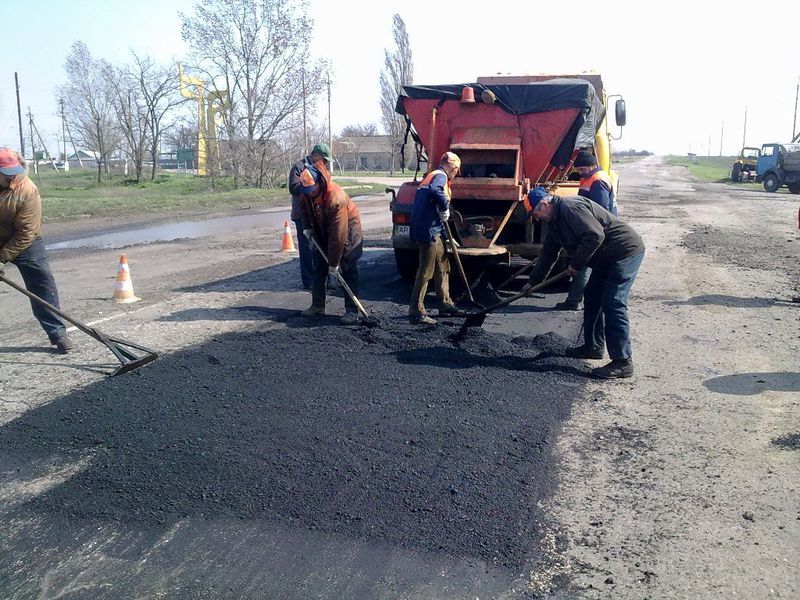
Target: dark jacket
[
  {"x": 433, "y": 196},
  {"x": 590, "y": 234},
  {"x": 334, "y": 217},
  {"x": 294, "y": 186}
]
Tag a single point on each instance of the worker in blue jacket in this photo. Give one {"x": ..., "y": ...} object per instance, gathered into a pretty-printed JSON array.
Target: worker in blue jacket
[
  {"x": 430, "y": 210},
  {"x": 596, "y": 186}
]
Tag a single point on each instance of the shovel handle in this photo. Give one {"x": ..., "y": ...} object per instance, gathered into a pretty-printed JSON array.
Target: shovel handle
[{"x": 340, "y": 279}]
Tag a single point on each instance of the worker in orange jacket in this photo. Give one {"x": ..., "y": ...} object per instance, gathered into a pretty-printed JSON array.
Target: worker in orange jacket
[
  {"x": 21, "y": 243},
  {"x": 331, "y": 218}
]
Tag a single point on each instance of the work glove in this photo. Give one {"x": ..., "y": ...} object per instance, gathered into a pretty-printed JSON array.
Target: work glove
[
  {"x": 334, "y": 271},
  {"x": 309, "y": 233},
  {"x": 444, "y": 214}
]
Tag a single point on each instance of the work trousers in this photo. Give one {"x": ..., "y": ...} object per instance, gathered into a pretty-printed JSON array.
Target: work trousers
[
  {"x": 433, "y": 264},
  {"x": 605, "y": 301},
  {"x": 349, "y": 270},
  {"x": 306, "y": 251},
  {"x": 35, "y": 271},
  {"x": 579, "y": 281}
]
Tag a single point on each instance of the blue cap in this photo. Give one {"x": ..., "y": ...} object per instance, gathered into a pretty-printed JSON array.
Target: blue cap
[
  {"x": 309, "y": 178},
  {"x": 536, "y": 195}
]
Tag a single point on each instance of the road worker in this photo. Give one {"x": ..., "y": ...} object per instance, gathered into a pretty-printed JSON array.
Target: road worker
[
  {"x": 320, "y": 152},
  {"x": 331, "y": 218},
  {"x": 430, "y": 210},
  {"x": 593, "y": 237},
  {"x": 596, "y": 186},
  {"x": 21, "y": 243}
]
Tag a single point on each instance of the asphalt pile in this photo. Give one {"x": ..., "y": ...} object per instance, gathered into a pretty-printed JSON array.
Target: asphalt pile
[{"x": 394, "y": 434}]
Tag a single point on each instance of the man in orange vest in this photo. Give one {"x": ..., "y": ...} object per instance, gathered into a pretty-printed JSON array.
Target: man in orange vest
[
  {"x": 430, "y": 210},
  {"x": 596, "y": 186},
  {"x": 331, "y": 218},
  {"x": 21, "y": 243}
]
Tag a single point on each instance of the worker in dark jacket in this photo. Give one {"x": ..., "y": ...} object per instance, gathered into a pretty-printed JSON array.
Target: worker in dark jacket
[
  {"x": 332, "y": 219},
  {"x": 596, "y": 186},
  {"x": 320, "y": 152},
  {"x": 430, "y": 210},
  {"x": 21, "y": 243},
  {"x": 593, "y": 237}
]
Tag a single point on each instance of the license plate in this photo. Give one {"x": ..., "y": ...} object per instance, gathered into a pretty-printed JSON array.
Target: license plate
[{"x": 402, "y": 231}]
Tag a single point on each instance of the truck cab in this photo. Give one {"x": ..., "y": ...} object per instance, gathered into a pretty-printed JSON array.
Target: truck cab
[{"x": 779, "y": 165}]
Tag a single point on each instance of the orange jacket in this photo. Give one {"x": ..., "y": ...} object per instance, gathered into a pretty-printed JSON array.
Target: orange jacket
[
  {"x": 334, "y": 217},
  {"x": 20, "y": 217}
]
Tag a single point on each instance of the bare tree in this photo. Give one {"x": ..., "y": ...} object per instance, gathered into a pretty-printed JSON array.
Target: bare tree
[
  {"x": 359, "y": 130},
  {"x": 181, "y": 134},
  {"x": 129, "y": 106},
  {"x": 257, "y": 50},
  {"x": 398, "y": 70},
  {"x": 87, "y": 105}
]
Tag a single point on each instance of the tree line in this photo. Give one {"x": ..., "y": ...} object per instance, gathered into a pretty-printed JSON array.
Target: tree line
[{"x": 254, "y": 57}]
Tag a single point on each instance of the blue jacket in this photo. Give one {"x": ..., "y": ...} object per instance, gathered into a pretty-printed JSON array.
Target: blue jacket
[
  {"x": 433, "y": 195},
  {"x": 597, "y": 188}
]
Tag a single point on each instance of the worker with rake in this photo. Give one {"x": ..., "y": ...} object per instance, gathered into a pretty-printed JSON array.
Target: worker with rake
[
  {"x": 593, "y": 237},
  {"x": 332, "y": 223},
  {"x": 21, "y": 243},
  {"x": 431, "y": 209}
]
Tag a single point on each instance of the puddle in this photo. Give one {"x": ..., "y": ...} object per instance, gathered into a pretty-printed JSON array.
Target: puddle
[{"x": 174, "y": 231}]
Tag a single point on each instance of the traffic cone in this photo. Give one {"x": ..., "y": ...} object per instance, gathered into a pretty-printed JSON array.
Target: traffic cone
[
  {"x": 287, "y": 242},
  {"x": 123, "y": 288}
]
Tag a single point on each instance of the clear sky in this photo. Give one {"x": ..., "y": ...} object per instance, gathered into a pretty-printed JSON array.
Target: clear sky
[{"x": 684, "y": 69}]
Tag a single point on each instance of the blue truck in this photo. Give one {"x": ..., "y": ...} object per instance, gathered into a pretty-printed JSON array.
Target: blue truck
[{"x": 779, "y": 165}]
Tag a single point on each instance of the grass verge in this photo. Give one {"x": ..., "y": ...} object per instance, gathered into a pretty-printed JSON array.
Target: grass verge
[
  {"x": 78, "y": 195},
  {"x": 714, "y": 169}
]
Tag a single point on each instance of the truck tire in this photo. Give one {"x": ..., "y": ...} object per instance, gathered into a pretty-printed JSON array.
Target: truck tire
[
  {"x": 407, "y": 261},
  {"x": 771, "y": 182},
  {"x": 794, "y": 188},
  {"x": 736, "y": 172}
]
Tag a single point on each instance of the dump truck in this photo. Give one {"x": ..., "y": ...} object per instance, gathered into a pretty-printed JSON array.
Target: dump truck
[
  {"x": 779, "y": 165},
  {"x": 512, "y": 133},
  {"x": 744, "y": 167}
]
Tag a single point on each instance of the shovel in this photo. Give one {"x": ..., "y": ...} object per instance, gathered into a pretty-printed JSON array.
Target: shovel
[
  {"x": 454, "y": 249},
  {"x": 477, "y": 319},
  {"x": 122, "y": 349},
  {"x": 368, "y": 320}
]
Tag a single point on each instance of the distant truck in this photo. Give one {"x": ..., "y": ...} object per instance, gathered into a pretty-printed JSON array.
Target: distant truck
[
  {"x": 744, "y": 167},
  {"x": 779, "y": 165},
  {"x": 512, "y": 133}
]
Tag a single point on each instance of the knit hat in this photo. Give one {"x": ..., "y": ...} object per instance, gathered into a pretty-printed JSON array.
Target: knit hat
[
  {"x": 585, "y": 159},
  {"x": 309, "y": 178},
  {"x": 323, "y": 150},
  {"x": 9, "y": 163}
]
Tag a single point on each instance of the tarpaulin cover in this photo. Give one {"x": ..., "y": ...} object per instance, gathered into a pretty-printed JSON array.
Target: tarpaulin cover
[{"x": 520, "y": 99}]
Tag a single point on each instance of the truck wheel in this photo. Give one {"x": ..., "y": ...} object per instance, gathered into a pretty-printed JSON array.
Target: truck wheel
[
  {"x": 736, "y": 172},
  {"x": 771, "y": 182},
  {"x": 407, "y": 262},
  {"x": 794, "y": 188}
]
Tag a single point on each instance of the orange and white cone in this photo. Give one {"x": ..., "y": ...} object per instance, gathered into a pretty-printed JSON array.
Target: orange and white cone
[
  {"x": 123, "y": 288},
  {"x": 287, "y": 242}
]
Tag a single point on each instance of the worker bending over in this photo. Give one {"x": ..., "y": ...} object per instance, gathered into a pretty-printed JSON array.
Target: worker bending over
[
  {"x": 21, "y": 243},
  {"x": 593, "y": 237},
  {"x": 331, "y": 218},
  {"x": 430, "y": 210},
  {"x": 596, "y": 186}
]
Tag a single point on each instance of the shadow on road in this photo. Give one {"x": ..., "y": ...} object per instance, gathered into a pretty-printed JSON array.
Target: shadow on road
[
  {"x": 723, "y": 300},
  {"x": 749, "y": 384}
]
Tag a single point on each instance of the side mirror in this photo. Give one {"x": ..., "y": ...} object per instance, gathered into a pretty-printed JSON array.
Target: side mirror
[{"x": 619, "y": 112}]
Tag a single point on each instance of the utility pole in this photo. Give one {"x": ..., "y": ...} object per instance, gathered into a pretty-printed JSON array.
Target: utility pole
[
  {"x": 721, "y": 135},
  {"x": 744, "y": 133},
  {"x": 64, "y": 134},
  {"x": 330, "y": 136},
  {"x": 41, "y": 141},
  {"x": 305, "y": 128},
  {"x": 33, "y": 144},
  {"x": 794, "y": 122},
  {"x": 19, "y": 117},
  {"x": 709, "y": 144}
]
